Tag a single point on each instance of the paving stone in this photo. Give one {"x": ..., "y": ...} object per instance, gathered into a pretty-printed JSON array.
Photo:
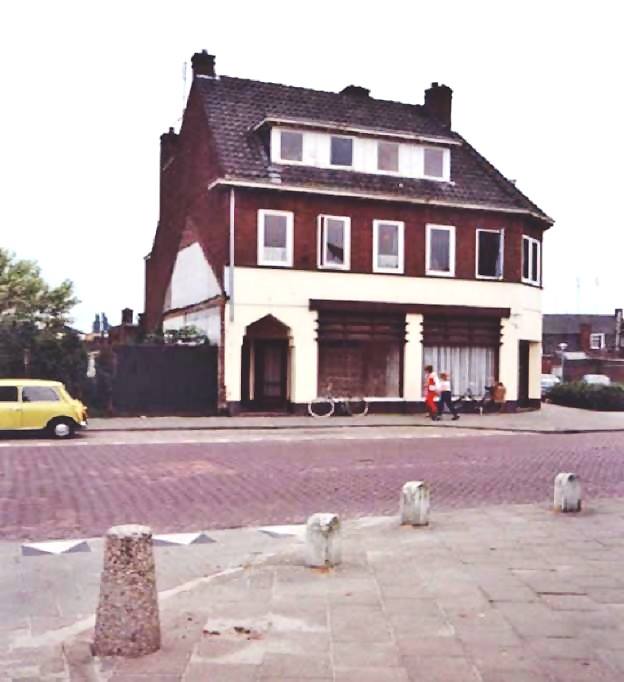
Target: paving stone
[
  {"x": 358, "y": 623},
  {"x": 440, "y": 669},
  {"x": 374, "y": 655},
  {"x": 371, "y": 675},
  {"x": 214, "y": 672},
  {"x": 299, "y": 667}
]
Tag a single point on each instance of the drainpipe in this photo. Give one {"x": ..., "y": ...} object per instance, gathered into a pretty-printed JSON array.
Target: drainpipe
[{"x": 231, "y": 268}]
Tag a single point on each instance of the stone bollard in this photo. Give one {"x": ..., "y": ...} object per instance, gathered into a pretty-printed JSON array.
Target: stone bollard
[
  {"x": 414, "y": 505},
  {"x": 567, "y": 493},
  {"x": 127, "y": 621},
  {"x": 323, "y": 541}
]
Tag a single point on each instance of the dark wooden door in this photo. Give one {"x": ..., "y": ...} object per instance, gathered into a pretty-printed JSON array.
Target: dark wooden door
[
  {"x": 270, "y": 373},
  {"x": 523, "y": 374}
]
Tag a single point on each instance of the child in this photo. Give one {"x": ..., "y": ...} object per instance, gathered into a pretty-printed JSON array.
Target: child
[
  {"x": 431, "y": 391},
  {"x": 446, "y": 396}
]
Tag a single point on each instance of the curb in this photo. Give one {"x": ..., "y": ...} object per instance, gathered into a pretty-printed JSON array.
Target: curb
[{"x": 351, "y": 426}]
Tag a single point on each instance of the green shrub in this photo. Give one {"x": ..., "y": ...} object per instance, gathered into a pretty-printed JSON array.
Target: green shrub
[{"x": 588, "y": 396}]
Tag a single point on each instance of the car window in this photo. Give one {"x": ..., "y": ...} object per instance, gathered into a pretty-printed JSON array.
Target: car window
[
  {"x": 8, "y": 394},
  {"x": 38, "y": 394}
]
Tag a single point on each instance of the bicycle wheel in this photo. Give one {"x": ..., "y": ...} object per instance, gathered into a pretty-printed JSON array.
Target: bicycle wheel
[
  {"x": 356, "y": 407},
  {"x": 321, "y": 407}
]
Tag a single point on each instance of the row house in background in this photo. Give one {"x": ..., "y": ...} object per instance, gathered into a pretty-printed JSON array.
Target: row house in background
[
  {"x": 589, "y": 344},
  {"x": 332, "y": 238}
]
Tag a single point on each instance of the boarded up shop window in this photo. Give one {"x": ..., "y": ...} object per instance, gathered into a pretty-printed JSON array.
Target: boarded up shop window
[{"x": 361, "y": 354}]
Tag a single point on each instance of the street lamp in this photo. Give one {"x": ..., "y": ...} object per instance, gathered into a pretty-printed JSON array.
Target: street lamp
[{"x": 562, "y": 349}]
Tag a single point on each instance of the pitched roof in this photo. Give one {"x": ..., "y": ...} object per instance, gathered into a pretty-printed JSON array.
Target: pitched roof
[
  {"x": 571, "y": 324},
  {"x": 235, "y": 107}
]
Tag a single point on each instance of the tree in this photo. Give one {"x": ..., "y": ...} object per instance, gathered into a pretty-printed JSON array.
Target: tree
[
  {"x": 34, "y": 338},
  {"x": 26, "y": 298}
]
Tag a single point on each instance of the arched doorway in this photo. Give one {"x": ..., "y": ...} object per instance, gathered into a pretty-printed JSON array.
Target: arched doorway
[{"x": 265, "y": 365}]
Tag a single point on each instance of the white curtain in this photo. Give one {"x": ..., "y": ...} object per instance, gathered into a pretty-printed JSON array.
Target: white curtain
[{"x": 467, "y": 367}]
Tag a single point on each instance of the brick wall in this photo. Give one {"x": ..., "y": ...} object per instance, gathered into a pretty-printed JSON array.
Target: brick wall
[
  {"x": 307, "y": 208},
  {"x": 187, "y": 210}
]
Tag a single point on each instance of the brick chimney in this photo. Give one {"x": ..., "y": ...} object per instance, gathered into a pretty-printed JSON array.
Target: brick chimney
[
  {"x": 438, "y": 103},
  {"x": 355, "y": 91},
  {"x": 168, "y": 144},
  {"x": 585, "y": 333},
  {"x": 203, "y": 64}
]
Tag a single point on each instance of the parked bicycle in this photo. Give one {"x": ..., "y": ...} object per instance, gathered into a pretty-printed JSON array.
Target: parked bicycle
[
  {"x": 326, "y": 406},
  {"x": 468, "y": 402}
]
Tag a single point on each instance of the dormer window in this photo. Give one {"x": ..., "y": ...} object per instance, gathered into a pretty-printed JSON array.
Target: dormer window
[
  {"x": 291, "y": 146},
  {"x": 341, "y": 152},
  {"x": 434, "y": 162},
  {"x": 388, "y": 156}
]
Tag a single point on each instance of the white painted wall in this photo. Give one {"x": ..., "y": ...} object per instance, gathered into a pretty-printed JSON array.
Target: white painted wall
[
  {"x": 285, "y": 294},
  {"x": 207, "y": 321},
  {"x": 193, "y": 279},
  {"x": 316, "y": 152}
]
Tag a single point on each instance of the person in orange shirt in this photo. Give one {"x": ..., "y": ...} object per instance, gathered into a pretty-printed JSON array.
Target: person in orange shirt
[{"x": 431, "y": 391}]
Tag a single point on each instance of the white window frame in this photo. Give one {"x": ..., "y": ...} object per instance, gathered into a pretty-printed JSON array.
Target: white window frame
[
  {"x": 601, "y": 341},
  {"x": 428, "y": 269},
  {"x": 446, "y": 164},
  {"x": 400, "y": 242},
  {"x": 279, "y": 147},
  {"x": 500, "y": 231},
  {"x": 322, "y": 243},
  {"x": 340, "y": 165},
  {"x": 262, "y": 213},
  {"x": 533, "y": 278}
]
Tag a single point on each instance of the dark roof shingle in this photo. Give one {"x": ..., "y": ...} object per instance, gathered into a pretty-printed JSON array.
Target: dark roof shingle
[{"x": 235, "y": 107}]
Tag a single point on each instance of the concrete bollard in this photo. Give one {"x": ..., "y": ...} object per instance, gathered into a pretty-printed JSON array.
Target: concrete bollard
[
  {"x": 127, "y": 622},
  {"x": 414, "y": 505},
  {"x": 567, "y": 493},
  {"x": 323, "y": 541}
]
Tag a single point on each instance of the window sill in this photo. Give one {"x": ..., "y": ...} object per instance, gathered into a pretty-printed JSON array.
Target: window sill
[
  {"x": 439, "y": 273},
  {"x": 274, "y": 264}
]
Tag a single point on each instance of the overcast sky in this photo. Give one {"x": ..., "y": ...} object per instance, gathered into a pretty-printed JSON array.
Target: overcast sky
[{"x": 87, "y": 89}]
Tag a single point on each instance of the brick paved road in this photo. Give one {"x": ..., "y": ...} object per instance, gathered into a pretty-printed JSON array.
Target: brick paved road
[{"x": 64, "y": 490}]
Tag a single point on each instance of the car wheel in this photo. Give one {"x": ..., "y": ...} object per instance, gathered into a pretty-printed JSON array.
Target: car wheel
[{"x": 62, "y": 428}]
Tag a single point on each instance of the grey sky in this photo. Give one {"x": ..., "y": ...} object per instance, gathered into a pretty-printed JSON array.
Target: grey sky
[{"x": 89, "y": 87}]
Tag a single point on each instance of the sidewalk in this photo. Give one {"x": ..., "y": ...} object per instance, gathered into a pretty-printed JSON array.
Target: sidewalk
[
  {"x": 498, "y": 594},
  {"x": 550, "y": 419}
]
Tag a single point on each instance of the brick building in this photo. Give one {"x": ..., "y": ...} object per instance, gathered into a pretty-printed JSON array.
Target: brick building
[
  {"x": 321, "y": 237},
  {"x": 594, "y": 344}
]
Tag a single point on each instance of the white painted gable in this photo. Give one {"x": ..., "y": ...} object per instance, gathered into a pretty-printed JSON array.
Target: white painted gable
[{"x": 193, "y": 279}]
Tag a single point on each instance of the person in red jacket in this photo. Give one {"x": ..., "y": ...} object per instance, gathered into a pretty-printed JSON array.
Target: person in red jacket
[{"x": 431, "y": 391}]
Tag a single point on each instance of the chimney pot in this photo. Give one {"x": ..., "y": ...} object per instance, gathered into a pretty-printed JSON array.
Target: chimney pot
[
  {"x": 203, "y": 64},
  {"x": 438, "y": 100}
]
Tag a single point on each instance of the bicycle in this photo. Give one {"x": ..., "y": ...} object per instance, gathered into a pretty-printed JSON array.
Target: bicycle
[
  {"x": 326, "y": 406},
  {"x": 468, "y": 402}
]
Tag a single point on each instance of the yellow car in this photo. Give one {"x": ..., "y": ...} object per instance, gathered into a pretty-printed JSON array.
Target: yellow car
[{"x": 33, "y": 405}]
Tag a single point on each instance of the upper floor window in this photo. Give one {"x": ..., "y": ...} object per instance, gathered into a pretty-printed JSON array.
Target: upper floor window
[
  {"x": 341, "y": 152},
  {"x": 440, "y": 250},
  {"x": 530, "y": 260},
  {"x": 334, "y": 242},
  {"x": 388, "y": 156},
  {"x": 490, "y": 249},
  {"x": 291, "y": 146},
  {"x": 596, "y": 341},
  {"x": 388, "y": 246},
  {"x": 434, "y": 162},
  {"x": 275, "y": 238}
]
